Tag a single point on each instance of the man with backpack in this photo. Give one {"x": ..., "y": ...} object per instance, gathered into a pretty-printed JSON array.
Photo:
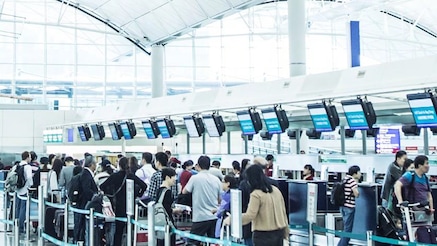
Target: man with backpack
[
  {"x": 347, "y": 210},
  {"x": 24, "y": 172},
  {"x": 414, "y": 186}
]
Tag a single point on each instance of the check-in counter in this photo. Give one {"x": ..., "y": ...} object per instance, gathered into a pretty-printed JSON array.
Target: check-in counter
[{"x": 366, "y": 211}]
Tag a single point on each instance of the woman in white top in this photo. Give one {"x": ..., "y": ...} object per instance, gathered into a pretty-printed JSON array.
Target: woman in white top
[
  {"x": 53, "y": 180},
  {"x": 107, "y": 170}
]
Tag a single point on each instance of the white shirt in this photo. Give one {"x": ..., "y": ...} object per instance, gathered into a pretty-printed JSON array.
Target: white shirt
[{"x": 29, "y": 181}]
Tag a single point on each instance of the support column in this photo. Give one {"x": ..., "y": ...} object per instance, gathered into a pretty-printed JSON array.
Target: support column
[
  {"x": 353, "y": 42},
  {"x": 188, "y": 144},
  {"x": 157, "y": 71},
  {"x": 204, "y": 144},
  {"x": 229, "y": 141},
  {"x": 425, "y": 141},
  {"x": 296, "y": 37},
  {"x": 364, "y": 141},
  {"x": 343, "y": 140}
]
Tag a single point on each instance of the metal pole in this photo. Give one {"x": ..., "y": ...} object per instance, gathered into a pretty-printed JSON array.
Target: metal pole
[
  {"x": 246, "y": 145},
  {"x": 66, "y": 221},
  {"x": 129, "y": 231},
  {"x": 5, "y": 208},
  {"x": 204, "y": 144},
  {"x": 369, "y": 238},
  {"x": 40, "y": 215},
  {"x": 298, "y": 141},
  {"x": 137, "y": 210},
  {"x": 278, "y": 146},
  {"x": 343, "y": 140},
  {"x": 91, "y": 229},
  {"x": 14, "y": 206},
  {"x": 364, "y": 141},
  {"x": 151, "y": 223},
  {"x": 229, "y": 142},
  {"x": 27, "y": 216},
  {"x": 425, "y": 141},
  {"x": 16, "y": 232},
  {"x": 311, "y": 235},
  {"x": 167, "y": 240},
  {"x": 188, "y": 143}
]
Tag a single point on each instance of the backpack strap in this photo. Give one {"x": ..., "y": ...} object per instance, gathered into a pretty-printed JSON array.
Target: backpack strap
[
  {"x": 119, "y": 188},
  {"x": 161, "y": 197}
]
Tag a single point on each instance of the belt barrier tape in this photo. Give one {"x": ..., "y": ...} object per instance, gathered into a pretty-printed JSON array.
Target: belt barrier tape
[
  {"x": 205, "y": 239},
  {"x": 8, "y": 222},
  {"x": 298, "y": 227},
  {"x": 55, "y": 205},
  {"x": 78, "y": 211},
  {"x": 140, "y": 225},
  {"x": 398, "y": 242},
  {"x": 361, "y": 237},
  {"x": 34, "y": 200},
  {"x": 56, "y": 241}
]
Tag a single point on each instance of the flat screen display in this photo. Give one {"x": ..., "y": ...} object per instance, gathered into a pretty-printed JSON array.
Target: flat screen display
[
  {"x": 191, "y": 126},
  {"x": 246, "y": 123},
  {"x": 82, "y": 133},
  {"x": 125, "y": 130},
  {"x": 355, "y": 117},
  {"x": 423, "y": 112},
  {"x": 96, "y": 133},
  {"x": 320, "y": 118},
  {"x": 163, "y": 129},
  {"x": 210, "y": 126},
  {"x": 271, "y": 121},
  {"x": 113, "y": 130},
  {"x": 148, "y": 130}
]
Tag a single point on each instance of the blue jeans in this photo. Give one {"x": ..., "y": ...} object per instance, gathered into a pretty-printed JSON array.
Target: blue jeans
[
  {"x": 348, "y": 215},
  {"x": 20, "y": 213}
]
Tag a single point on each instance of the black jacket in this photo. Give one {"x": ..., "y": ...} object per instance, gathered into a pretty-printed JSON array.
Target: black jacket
[
  {"x": 88, "y": 188},
  {"x": 115, "y": 181}
]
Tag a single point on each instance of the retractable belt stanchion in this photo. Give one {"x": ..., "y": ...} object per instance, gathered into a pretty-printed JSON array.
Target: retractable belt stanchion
[
  {"x": 167, "y": 237},
  {"x": 28, "y": 216},
  {"x": 14, "y": 208},
  {"x": 5, "y": 208},
  {"x": 91, "y": 229},
  {"x": 151, "y": 223},
  {"x": 66, "y": 221},
  {"x": 41, "y": 213},
  {"x": 137, "y": 210},
  {"x": 16, "y": 232}
]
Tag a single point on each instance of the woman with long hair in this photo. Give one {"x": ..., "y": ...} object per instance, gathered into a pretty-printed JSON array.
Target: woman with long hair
[
  {"x": 53, "y": 179},
  {"x": 308, "y": 172},
  {"x": 266, "y": 210}
]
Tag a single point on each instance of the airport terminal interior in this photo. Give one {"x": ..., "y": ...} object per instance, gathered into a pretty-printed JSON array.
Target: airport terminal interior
[{"x": 314, "y": 86}]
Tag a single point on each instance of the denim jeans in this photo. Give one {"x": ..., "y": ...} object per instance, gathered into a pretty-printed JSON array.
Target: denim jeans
[
  {"x": 348, "y": 215},
  {"x": 20, "y": 213}
]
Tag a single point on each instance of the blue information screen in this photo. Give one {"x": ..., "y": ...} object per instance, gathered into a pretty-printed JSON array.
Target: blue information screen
[
  {"x": 82, "y": 133},
  {"x": 113, "y": 130},
  {"x": 387, "y": 141},
  {"x": 272, "y": 122},
  {"x": 320, "y": 119},
  {"x": 163, "y": 129},
  {"x": 355, "y": 117},
  {"x": 148, "y": 130},
  {"x": 423, "y": 112},
  {"x": 246, "y": 124},
  {"x": 125, "y": 130}
]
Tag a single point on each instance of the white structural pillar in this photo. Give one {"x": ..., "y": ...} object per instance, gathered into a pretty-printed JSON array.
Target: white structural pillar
[
  {"x": 157, "y": 71},
  {"x": 296, "y": 37}
]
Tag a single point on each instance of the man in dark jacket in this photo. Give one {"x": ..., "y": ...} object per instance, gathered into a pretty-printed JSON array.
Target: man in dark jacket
[
  {"x": 394, "y": 172},
  {"x": 87, "y": 190}
]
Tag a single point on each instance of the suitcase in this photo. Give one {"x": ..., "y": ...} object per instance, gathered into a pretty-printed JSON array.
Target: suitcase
[
  {"x": 49, "y": 222},
  {"x": 425, "y": 234}
]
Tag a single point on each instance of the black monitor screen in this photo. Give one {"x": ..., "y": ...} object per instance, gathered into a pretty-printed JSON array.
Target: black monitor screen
[
  {"x": 162, "y": 125},
  {"x": 148, "y": 130},
  {"x": 96, "y": 132},
  {"x": 113, "y": 130},
  {"x": 125, "y": 130},
  {"x": 211, "y": 126},
  {"x": 246, "y": 123},
  {"x": 423, "y": 109},
  {"x": 355, "y": 115},
  {"x": 320, "y": 117},
  {"x": 82, "y": 133},
  {"x": 271, "y": 120}
]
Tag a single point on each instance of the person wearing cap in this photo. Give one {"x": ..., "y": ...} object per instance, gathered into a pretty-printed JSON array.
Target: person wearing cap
[
  {"x": 106, "y": 171},
  {"x": 215, "y": 170},
  {"x": 66, "y": 172}
]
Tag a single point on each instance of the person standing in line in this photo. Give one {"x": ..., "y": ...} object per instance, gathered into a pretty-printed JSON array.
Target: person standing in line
[
  {"x": 66, "y": 172},
  {"x": 348, "y": 209},
  {"x": 21, "y": 199},
  {"x": 215, "y": 170},
  {"x": 161, "y": 161},
  {"x": 394, "y": 172}
]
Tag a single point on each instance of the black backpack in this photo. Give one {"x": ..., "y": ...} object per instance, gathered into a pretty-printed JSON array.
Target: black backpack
[
  {"x": 74, "y": 190},
  {"x": 338, "y": 197},
  {"x": 21, "y": 181}
]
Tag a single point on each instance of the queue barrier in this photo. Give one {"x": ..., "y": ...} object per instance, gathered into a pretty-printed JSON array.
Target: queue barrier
[{"x": 370, "y": 238}]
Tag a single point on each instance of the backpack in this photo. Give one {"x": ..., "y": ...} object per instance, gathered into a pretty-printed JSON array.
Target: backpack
[
  {"x": 425, "y": 234},
  {"x": 74, "y": 189},
  {"x": 338, "y": 197},
  {"x": 161, "y": 216},
  {"x": 15, "y": 179}
]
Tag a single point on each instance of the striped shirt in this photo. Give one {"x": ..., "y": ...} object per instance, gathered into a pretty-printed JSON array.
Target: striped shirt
[{"x": 349, "y": 185}]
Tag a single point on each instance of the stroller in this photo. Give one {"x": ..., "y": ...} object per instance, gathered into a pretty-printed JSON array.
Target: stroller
[{"x": 389, "y": 225}]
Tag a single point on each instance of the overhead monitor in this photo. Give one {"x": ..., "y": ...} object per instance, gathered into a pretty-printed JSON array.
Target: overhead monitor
[
  {"x": 324, "y": 117},
  {"x": 84, "y": 132},
  {"x": 214, "y": 125},
  {"x": 275, "y": 120},
  {"x": 115, "y": 130},
  {"x": 359, "y": 114},
  {"x": 151, "y": 129},
  {"x": 166, "y": 127},
  {"x": 128, "y": 129},
  {"x": 194, "y": 125},
  {"x": 250, "y": 122},
  {"x": 98, "y": 132},
  {"x": 423, "y": 107}
]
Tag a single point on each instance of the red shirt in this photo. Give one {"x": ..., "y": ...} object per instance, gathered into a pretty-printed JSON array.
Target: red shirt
[{"x": 185, "y": 176}]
